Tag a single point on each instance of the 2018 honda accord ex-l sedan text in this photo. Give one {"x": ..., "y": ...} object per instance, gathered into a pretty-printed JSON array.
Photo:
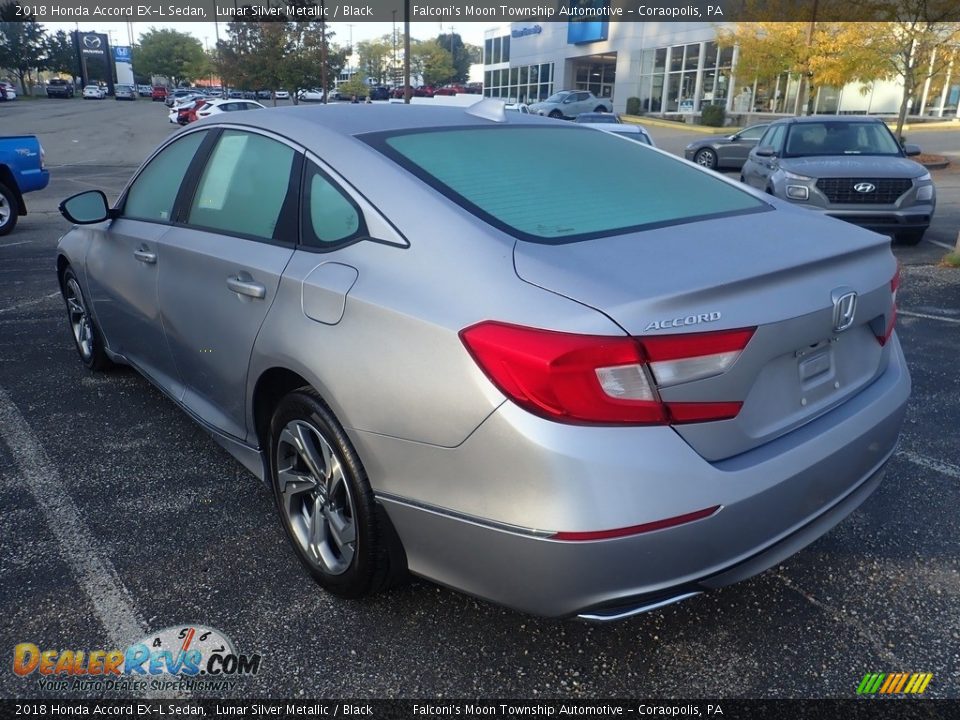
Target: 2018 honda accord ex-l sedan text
[{"x": 567, "y": 402}]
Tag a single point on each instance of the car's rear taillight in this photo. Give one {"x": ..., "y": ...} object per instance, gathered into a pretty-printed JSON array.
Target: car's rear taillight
[
  {"x": 604, "y": 380},
  {"x": 892, "y": 321}
]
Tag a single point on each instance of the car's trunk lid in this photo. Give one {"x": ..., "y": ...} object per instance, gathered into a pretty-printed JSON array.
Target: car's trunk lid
[{"x": 780, "y": 272}]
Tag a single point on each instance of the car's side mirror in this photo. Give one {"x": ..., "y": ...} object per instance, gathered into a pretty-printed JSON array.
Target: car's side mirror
[
  {"x": 86, "y": 208},
  {"x": 911, "y": 150},
  {"x": 766, "y": 151}
]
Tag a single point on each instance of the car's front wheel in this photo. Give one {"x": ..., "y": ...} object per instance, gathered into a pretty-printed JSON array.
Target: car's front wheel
[
  {"x": 910, "y": 237},
  {"x": 325, "y": 502},
  {"x": 9, "y": 210},
  {"x": 600, "y": 109},
  {"x": 86, "y": 334},
  {"x": 556, "y": 114},
  {"x": 706, "y": 157}
]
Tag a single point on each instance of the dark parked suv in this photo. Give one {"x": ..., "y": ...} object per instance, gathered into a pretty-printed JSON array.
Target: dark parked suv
[
  {"x": 851, "y": 168},
  {"x": 59, "y": 88}
]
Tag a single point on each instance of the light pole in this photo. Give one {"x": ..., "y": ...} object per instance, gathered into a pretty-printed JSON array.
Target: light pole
[
  {"x": 407, "y": 90},
  {"x": 393, "y": 64}
]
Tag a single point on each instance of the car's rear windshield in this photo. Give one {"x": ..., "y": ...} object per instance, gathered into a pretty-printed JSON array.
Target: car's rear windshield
[
  {"x": 561, "y": 184},
  {"x": 839, "y": 138}
]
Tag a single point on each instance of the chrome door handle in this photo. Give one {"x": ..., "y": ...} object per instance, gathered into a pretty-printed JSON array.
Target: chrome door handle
[
  {"x": 246, "y": 287},
  {"x": 145, "y": 256}
]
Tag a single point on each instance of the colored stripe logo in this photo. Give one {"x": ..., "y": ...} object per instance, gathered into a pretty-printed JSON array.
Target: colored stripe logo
[{"x": 894, "y": 683}]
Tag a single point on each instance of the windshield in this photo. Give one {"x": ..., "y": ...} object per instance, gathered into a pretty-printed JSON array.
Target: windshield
[
  {"x": 839, "y": 138},
  {"x": 605, "y": 118},
  {"x": 557, "y": 97},
  {"x": 535, "y": 189}
]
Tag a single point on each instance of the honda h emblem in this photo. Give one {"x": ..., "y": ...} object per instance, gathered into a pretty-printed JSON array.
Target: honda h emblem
[
  {"x": 844, "y": 308},
  {"x": 864, "y": 187}
]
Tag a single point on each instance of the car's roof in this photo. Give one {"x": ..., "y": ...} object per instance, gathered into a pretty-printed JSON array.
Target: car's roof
[
  {"x": 351, "y": 119},
  {"x": 831, "y": 118}
]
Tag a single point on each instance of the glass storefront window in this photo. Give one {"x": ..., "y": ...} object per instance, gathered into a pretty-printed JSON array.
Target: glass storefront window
[
  {"x": 496, "y": 49},
  {"x": 692, "y": 57},
  {"x": 676, "y": 58},
  {"x": 673, "y": 93},
  {"x": 505, "y": 50},
  {"x": 488, "y": 51},
  {"x": 661, "y": 59},
  {"x": 710, "y": 54},
  {"x": 726, "y": 57}
]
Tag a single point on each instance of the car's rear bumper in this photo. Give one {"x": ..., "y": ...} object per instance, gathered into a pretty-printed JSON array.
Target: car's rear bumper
[{"x": 486, "y": 510}]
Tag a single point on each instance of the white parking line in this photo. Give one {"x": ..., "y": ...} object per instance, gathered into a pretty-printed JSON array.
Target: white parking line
[
  {"x": 941, "y": 244},
  {"x": 108, "y": 596},
  {"x": 926, "y": 316},
  {"x": 22, "y": 242},
  {"x": 110, "y": 599},
  {"x": 28, "y": 303},
  {"x": 929, "y": 463}
]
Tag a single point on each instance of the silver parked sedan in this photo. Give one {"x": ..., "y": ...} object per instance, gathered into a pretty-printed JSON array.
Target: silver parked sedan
[
  {"x": 563, "y": 400},
  {"x": 725, "y": 151}
]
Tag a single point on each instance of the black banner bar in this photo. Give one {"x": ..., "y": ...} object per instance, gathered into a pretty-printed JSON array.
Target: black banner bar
[
  {"x": 485, "y": 11},
  {"x": 855, "y": 709}
]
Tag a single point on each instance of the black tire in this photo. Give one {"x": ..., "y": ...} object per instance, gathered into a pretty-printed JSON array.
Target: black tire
[
  {"x": 556, "y": 114},
  {"x": 706, "y": 157},
  {"x": 300, "y": 425},
  {"x": 600, "y": 109},
  {"x": 910, "y": 237},
  {"x": 9, "y": 210},
  {"x": 87, "y": 337}
]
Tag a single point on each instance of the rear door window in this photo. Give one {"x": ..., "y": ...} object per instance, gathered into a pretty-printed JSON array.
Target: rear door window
[{"x": 246, "y": 186}]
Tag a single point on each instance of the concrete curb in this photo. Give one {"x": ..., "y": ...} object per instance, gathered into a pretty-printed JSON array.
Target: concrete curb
[
  {"x": 657, "y": 122},
  {"x": 938, "y": 165}
]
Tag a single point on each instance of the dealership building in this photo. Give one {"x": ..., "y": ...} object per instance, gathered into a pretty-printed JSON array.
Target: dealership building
[{"x": 672, "y": 67}]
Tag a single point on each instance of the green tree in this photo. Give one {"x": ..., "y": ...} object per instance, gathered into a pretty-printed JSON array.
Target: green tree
[
  {"x": 21, "y": 45},
  {"x": 271, "y": 55},
  {"x": 170, "y": 53},
  {"x": 302, "y": 67},
  {"x": 916, "y": 42},
  {"x": 376, "y": 58},
  {"x": 59, "y": 53},
  {"x": 432, "y": 62},
  {"x": 460, "y": 53},
  {"x": 354, "y": 86}
]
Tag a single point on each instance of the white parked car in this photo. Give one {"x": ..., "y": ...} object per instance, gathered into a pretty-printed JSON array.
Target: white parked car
[
  {"x": 637, "y": 133},
  {"x": 282, "y": 95},
  {"x": 314, "y": 95},
  {"x": 8, "y": 90},
  {"x": 93, "y": 92},
  {"x": 215, "y": 107},
  {"x": 521, "y": 108}
]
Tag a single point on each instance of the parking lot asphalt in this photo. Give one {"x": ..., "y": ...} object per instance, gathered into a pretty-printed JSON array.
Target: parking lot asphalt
[{"x": 120, "y": 517}]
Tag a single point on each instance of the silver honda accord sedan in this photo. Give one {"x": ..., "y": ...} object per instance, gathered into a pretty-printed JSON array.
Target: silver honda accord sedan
[{"x": 446, "y": 356}]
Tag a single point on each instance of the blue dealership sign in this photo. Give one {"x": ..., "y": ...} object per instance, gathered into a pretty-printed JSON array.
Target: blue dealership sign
[
  {"x": 586, "y": 29},
  {"x": 121, "y": 53}
]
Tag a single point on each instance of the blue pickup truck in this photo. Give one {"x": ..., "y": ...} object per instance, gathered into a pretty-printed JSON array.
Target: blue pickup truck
[{"x": 21, "y": 171}]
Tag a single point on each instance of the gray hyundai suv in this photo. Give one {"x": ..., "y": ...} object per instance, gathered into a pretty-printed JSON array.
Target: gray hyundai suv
[{"x": 851, "y": 168}]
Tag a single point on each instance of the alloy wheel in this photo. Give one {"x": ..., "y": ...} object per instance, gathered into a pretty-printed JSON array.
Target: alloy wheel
[
  {"x": 6, "y": 211},
  {"x": 315, "y": 497},
  {"x": 79, "y": 319},
  {"x": 706, "y": 158}
]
